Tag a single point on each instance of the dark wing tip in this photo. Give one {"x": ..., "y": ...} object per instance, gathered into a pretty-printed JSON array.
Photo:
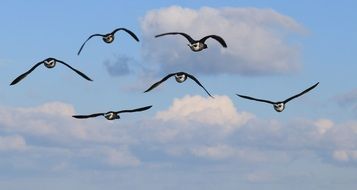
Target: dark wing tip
[{"x": 13, "y": 82}]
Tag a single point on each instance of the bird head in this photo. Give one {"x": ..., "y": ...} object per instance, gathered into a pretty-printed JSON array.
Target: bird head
[
  {"x": 198, "y": 46},
  {"x": 50, "y": 62},
  {"x": 180, "y": 77},
  {"x": 279, "y": 107},
  {"x": 109, "y": 38},
  {"x": 111, "y": 115}
]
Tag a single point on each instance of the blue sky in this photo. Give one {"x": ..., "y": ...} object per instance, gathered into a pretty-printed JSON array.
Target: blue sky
[{"x": 186, "y": 140}]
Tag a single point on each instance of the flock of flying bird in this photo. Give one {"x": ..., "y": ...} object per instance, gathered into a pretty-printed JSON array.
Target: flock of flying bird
[{"x": 195, "y": 45}]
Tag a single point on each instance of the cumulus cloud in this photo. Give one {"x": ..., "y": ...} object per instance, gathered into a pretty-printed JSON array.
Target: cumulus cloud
[
  {"x": 15, "y": 142},
  {"x": 345, "y": 155},
  {"x": 219, "y": 111},
  {"x": 53, "y": 121},
  {"x": 223, "y": 151},
  {"x": 257, "y": 39},
  {"x": 323, "y": 125},
  {"x": 63, "y": 137}
]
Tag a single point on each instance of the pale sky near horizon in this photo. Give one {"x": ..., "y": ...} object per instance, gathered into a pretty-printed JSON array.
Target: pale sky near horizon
[{"x": 187, "y": 140}]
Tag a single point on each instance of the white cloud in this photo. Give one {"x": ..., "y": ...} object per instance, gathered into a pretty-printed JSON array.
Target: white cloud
[
  {"x": 223, "y": 151},
  {"x": 259, "y": 177},
  {"x": 215, "y": 152},
  {"x": 256, "y": 38},
  {"x": 323, "y": 125},
  {"x": 340, "y": 155},
  {"x": 219, "y": 111},
  {"x": 15, "y": 142},
  {"x": 121, "y": 157},
  {"x": 53, "y": 121},
  {"x": 345, "y": 155}
]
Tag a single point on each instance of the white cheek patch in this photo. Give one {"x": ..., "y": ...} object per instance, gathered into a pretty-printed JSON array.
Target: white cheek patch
[{"x": 50, "y": 63}]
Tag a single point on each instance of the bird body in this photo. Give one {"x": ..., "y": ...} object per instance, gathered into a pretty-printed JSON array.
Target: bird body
[
  {"x": 50, "y": 62},
  {"x": 180, "y": 77}
]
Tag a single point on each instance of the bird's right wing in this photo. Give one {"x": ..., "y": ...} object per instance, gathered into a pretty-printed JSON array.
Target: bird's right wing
[
  {"x": 75, "y": 70},
  {"x": 198, "y": 82},
  {"x": 255, "y": 99},
  {"x": 128, "y": 31},
  {"x": 134, "y": 110},
  {"x": 87, "y": 116},
  {"x": 180, "y": 33},
  {"x": 19, "y": 78},
  {"x": 218, "y": 38},
  {"x": 301, "y": 93},
  {"x": 80, "y": 49},
  {"x": 159, "y": 82}
]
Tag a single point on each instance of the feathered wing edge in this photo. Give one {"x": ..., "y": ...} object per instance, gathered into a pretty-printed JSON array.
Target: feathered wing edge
[
  {"x": 75, "y": 70},
  {"x": 22, "y": 76},
  {"x": 128, "y": 31},
  {"x": 301, "y": 93},
  {"x": 198, "y": 82},
  {"x": 180, "y": 33},
  {"x": 159, "y": 82},
  {"x": 135, "y": 110},
  {"x": 80, "y": 49}
]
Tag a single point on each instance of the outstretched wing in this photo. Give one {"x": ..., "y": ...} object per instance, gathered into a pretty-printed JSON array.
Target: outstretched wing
[
  {"x": 159, "y": 82},
  {"x": 75, "y": 70},
  {"x": 134, "y": 110},
  {"x": 301, "y": 93},
  {"x": 198, "y": 82},
  {"x": 180, "y": 33},
  {"x": 128, "y": 31},
  {"x": 255, "y": 99},
  {"x": 80, "y": 49},
  {"x": 218, "y": 38},
  {"x": 87, "y": 116},
  {"x": 19, "y": 78}
]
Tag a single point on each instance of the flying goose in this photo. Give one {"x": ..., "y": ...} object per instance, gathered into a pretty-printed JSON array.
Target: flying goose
[
  {"x": 180, "y": 77},
  {"x": 109, "y": 38},
  {"x": 280, "y": 106},
  {"x": 49, "y": 63},
  {"x": 197, "y": 45},
  {"x": 111, "y": 115}
]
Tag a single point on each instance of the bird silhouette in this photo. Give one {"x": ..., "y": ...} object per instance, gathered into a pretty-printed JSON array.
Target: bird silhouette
[
  {"x": 49, "y": 63},
  {"x": 111, "y": 115},
  {"x": 180, "y": 77},
  {"x": 196, "y": 45},
  {"x": 280, "y": 105},
  {"x": 109, "y": 38}
]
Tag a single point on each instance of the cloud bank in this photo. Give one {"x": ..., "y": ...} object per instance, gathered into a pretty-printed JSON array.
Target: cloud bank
[{"x": 258, "y": 40}]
